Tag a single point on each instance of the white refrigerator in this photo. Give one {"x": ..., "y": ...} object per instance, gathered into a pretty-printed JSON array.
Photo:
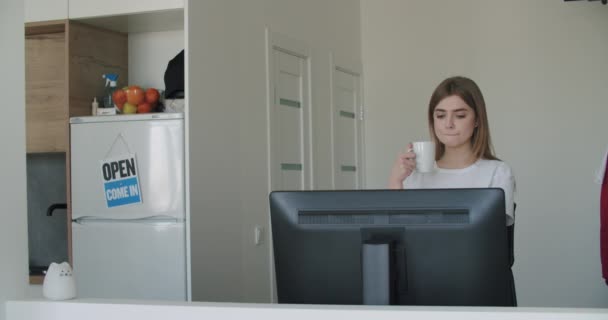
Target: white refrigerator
[{"x": 129, "y": 226}]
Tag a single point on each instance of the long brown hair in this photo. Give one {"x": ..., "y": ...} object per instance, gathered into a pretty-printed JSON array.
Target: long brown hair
[{"x": 470, "y": 93}]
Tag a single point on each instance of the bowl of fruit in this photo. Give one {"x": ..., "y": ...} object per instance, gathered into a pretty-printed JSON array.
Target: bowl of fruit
[{"x": 134, "y": 99}]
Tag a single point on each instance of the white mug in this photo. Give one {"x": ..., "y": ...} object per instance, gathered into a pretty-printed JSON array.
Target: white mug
[{"x": 425, "y": 156}]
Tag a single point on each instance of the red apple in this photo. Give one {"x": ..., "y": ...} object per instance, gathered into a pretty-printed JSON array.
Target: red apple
[
  {"x": 135, "y": 95},
  {"x": 152, "y": 96},
  {"x": 119, "y": 97},
  {"x": 144, "y": 108}
]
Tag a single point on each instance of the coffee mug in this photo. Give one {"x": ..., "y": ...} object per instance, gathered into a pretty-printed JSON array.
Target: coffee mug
[{"x": 425, "y": 156}]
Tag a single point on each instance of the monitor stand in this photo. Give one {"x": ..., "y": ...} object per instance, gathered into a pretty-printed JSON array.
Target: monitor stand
[{"x": 378, "y": 266}]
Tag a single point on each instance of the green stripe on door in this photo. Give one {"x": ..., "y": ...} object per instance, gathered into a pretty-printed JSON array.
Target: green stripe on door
[
  {"x": 347, "y": 114},
  {"x": 291, "y": 166},
  {"x": 348, "y": 168},
  {"x": 289, "y": 103}
]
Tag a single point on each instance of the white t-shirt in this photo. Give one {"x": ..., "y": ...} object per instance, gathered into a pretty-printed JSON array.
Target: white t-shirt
[{"x": 481, "y": 174}]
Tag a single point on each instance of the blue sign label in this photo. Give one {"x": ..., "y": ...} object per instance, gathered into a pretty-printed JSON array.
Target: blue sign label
[
  {"x": 121, "y": 192},
  {"x": 121, "y": 184}
]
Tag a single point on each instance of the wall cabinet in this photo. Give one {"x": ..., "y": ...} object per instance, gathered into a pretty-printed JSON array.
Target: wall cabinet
[
  {"x": 46, "y": 89},
  {"x": 64, "y": 64}
]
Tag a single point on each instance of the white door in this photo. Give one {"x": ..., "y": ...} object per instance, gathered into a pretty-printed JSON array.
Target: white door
[
  {"x": 141, "y": 259},
  {"x": 289, "y": 116},
  {"x": 347, "y": 127}
]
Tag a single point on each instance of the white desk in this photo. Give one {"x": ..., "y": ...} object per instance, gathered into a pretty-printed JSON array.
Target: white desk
[{"x": 123, "y": 309}]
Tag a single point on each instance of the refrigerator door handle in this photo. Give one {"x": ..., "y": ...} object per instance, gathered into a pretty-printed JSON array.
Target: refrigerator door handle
[{"x": 158, "y": 219}]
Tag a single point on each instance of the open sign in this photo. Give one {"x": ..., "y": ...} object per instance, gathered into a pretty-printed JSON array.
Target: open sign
[{"x": 120, "y": 181}]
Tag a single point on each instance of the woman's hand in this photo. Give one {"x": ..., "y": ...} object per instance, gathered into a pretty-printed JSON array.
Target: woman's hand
[{"x": 403, "y": 167}]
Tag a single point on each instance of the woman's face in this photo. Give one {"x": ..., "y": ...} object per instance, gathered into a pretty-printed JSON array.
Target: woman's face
[{"x": 454, "y": 122}]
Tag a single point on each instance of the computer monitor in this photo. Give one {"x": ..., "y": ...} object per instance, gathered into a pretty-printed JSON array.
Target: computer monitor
[{"x": 402, "y": 247}]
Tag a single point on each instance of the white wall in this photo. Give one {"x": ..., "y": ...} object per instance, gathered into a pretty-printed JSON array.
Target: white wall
[
  {"x": 13, "y": 229},
  {"x": 227, "y": 121},
  {"x": 149, "y": 54},
  {"x": 543, "y": 69}
]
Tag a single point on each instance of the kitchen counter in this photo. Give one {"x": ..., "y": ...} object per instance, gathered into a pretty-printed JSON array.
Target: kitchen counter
[{"x": 151, "y": 310}]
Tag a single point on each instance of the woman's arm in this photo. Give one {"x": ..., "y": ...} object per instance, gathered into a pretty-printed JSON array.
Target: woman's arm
[
  {"x": 402, "y": 168},
  {"x": 505, "y": 179}
]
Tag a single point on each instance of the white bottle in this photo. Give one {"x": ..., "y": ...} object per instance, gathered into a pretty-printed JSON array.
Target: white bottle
[{"x": 94, "y": 106}]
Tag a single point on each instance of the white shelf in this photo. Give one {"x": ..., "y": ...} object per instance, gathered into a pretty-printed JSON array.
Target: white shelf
[
  {"x": 95, "y": 8},
  {"x": 166, "y": 20}
]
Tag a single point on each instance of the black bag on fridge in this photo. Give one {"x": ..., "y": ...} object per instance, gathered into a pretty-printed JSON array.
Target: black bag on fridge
[{"x": 174, "y": 77}]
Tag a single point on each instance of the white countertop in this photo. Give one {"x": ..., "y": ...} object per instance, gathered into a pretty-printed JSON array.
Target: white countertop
[{"x": 150, "y": 310}]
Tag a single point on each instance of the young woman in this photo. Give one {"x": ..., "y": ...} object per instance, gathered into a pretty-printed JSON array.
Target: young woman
[{"x": 464, "y": 156}]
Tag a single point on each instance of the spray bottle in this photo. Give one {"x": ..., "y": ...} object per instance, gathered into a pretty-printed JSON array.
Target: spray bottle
[{"x": 110, "y": 87}]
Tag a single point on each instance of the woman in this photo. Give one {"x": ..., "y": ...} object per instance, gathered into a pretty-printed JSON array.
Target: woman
[{"x": 464, "y": 156}]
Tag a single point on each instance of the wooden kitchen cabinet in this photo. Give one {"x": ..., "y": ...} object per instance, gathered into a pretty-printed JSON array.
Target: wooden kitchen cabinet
[
  {"x": 64, "y": 61},
  {"x": 46, "y": 90}
]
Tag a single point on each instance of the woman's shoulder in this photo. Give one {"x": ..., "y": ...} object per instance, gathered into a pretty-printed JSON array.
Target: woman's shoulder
[{"x": 499, "y": 167}]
